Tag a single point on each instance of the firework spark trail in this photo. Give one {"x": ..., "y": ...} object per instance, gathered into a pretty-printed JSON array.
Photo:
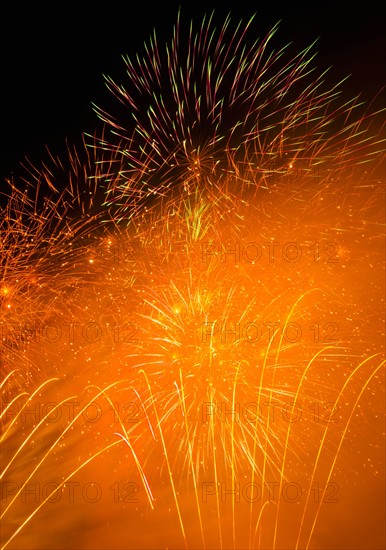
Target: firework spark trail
[
  {"x": 44, "y": 234},
  {"x": 236, "y": 151},
  {"x": 266, "y": 108},
  {"x": 167, "y": 312},
  {"x": 340, "y": 444}
]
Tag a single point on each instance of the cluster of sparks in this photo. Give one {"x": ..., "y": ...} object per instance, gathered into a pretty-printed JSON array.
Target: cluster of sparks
[{"x": 133, "y": 290}]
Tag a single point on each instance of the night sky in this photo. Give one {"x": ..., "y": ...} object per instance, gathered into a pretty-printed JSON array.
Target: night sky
[{"x": 52, "y": 63}]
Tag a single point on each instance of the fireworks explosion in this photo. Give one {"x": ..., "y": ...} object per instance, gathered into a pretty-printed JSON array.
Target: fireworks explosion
[{"x": 192, "y": 332}]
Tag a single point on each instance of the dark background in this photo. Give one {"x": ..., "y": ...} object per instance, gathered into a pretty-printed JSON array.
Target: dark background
[{"x": 52, "y": 59}]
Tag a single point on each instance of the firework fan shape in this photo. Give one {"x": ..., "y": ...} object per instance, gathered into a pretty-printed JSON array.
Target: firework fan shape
[{"x": 192, "y": 334}]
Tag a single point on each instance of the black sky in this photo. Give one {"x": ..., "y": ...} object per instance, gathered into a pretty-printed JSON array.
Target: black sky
[{"x": 52, "y": 61}]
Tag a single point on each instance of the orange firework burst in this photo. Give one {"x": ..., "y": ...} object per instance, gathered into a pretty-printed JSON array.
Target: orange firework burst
[{"x": 192, "y": 334}]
